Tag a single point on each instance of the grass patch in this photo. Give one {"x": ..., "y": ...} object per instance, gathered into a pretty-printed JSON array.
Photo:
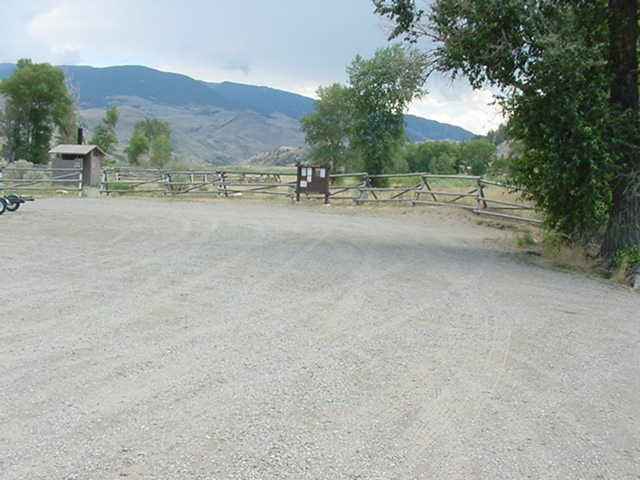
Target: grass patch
[
  {"x": 525, "y": 240},
  {"x": 553, "y": 250},
  {"x": 560, "y": 252},
  {"x": 625, "y": 262},
  {"x": 121, "y": 187}
]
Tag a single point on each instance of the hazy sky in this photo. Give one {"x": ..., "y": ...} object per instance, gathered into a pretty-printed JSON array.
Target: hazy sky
[{"x": 294, "y": 45}]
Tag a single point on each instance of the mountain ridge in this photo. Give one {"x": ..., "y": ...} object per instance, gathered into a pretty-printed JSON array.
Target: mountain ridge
[{"x": 223, "y": 122}]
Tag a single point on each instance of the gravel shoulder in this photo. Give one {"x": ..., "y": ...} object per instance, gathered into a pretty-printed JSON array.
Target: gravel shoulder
[{"x": 150, "y": 339}]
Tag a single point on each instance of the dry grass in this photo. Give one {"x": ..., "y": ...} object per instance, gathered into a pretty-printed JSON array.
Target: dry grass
[{"x": 550, "y": 250}]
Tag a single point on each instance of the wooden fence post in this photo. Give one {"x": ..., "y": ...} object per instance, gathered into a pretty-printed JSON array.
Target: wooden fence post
[
  {"x": 418, "y": 190},
  {"x": 167, "y": 182},
  {"x": 481, "y": 203},
  {"x": 223, "y": 183},
  {"x": 362, "y": 194},
  {"x": 104, "y": 188}
]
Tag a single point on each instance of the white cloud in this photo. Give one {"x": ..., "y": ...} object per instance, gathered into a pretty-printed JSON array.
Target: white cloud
[
  {"x": 459, "y": 104},
  {"x": 288, "y": 44}
]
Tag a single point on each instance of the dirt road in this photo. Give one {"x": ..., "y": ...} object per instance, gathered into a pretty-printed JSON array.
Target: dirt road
[{"x": 148, "y": 339}]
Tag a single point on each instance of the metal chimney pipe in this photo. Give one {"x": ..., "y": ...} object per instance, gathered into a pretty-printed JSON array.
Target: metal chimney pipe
[{"x": 80, "y": 136}]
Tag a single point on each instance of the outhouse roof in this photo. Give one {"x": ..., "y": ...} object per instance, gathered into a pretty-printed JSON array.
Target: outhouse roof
[{"x": 75, "y": 149}]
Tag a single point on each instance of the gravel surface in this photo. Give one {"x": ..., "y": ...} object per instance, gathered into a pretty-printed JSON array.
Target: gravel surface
[{"x": 150, "y": 339}]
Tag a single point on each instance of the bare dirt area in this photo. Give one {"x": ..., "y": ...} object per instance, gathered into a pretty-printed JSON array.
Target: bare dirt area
[{"x": 150, "y": 339}]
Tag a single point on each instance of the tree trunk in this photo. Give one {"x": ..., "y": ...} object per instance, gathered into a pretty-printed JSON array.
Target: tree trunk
[{"x": 624, "y": 216}]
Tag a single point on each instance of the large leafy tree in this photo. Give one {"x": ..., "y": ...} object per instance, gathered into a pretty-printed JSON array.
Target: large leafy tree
[
  {"x": 381, "y": 89},
  {"x": 160, "y": 150},
  {"x": 365, "y": 119},
  {"x": 568, "y": 73},
  {"x": 476, "y": 156},
  {"x": 105, "y": 133},
  {"x": 328, "y": 129},
  {"x": 624, "y": 214},
  {"x": 151, "y": 138},
  {"x": 37, "y": 103},
  {"x": 137, "y": 148},
  {"x": 434, "y": 157}
]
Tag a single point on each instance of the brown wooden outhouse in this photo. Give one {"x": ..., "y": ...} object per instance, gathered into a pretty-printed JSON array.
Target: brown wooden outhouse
[{"x": 87, "y": 157}]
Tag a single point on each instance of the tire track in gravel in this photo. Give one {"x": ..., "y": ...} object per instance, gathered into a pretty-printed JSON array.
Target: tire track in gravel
[
  {"x": 176, "y": 367},
  {"x": 462, "y": 404},
  {"x": 423, "y": 425},
  {"x": 191, "y": 358},
  {"x": 188, "y": 285}
]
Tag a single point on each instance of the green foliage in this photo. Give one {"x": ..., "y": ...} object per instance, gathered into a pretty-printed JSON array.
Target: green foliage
[
  {"x": 151, "y": 140},
  {"x": 138, "y": 146},
  {"x": 444, "y": 164},
  {"x": 37, "y": 102},
  {"x": 105, "y": 137},
  {"x": 13, "y": 171},
  {"x": 111, "y": 117},
  {"x": 160, "y": 150},
  {"x": 498, "y": 135},
  {"x": 628, "y": 257},
  {"x": 328, "y": 128},
  {"x": 525, "y": 240},
  {"x": 500, "y": 167},
  {"x": 105, "y": 134},
  {"x": 363, "y": 123},
  {"x": 152, "y": 128},
  {"x": 382, "y": 87},
  {"x": 551, "y": 60},
  {"x": 432, "y": 157},
  {"x": 404, "y": 14},
  {"x": 474, "y": 157},
  {"x": 122, "y": 186}
]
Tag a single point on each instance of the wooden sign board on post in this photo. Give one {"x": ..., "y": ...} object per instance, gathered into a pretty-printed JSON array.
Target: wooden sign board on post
[{"x": 313, "y": 179}]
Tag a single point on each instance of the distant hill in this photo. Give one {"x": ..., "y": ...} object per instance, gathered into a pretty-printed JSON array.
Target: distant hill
[
  {"x": 6, "y": 69},
  {"x": 263, "y": 100},
  {"x": 282, "y": 156},
  {"x": 421, "y": 130},
  {"x": 212, "y": 122}
]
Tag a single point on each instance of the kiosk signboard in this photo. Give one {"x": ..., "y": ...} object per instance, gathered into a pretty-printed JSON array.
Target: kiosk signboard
[{"x": 313, "y": 179}]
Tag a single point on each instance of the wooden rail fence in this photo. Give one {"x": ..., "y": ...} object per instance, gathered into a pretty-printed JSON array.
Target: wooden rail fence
[
  {"x": 473, "y": 193},
  {"x": 40, "y": 179},
  {"x": 196, "y": 182}
]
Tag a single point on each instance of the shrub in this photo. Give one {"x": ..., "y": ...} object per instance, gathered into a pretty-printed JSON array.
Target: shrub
[{"x": 628, "y": 258}]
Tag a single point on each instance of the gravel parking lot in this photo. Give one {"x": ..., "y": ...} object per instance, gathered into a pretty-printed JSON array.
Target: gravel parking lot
[{"x": 150, "y": 339}]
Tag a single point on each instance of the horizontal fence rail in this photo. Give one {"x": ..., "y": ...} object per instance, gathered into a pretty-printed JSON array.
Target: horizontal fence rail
[
  {"x": 473, "y": 193},
  {"x": 197, "y": 182},
  {"x": 40, "y": 179}
]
